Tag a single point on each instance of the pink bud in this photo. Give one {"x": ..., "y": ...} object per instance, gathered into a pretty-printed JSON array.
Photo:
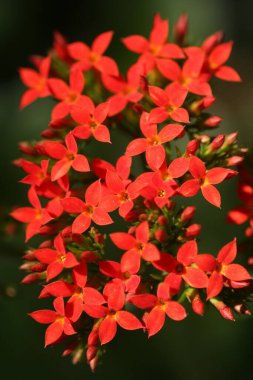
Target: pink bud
[
  {"x": 231, "y": 138},
  {"x": 198, "y": 305},
  {"x": 161, "y": 234},
  {"x": 234, "y": 160},
  {"x": 212, "y": 121},
  {"x": 181, "y": 28},
  {"x": 217, "y": 142},
  {"x": 192, "y": 146},
  {"x": 188, "y": 213},
  {"x": 193, "y": 231},
  {"x": 26, "y": 148}
]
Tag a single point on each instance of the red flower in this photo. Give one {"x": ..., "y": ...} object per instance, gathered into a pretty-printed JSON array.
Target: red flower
[
  {"x": 205, "y": 179},
  {"x": 123, "y": 191},
  {"x": 57, "y": 259},
  {"x": 36, "y": 81},
  {"x": 182, "y": 267},
  {"x": 35, "y": 216},
  {"x": 189, "y": 76},
  {"x": 161, "y": 305},
  {"x": 91, "y": 120},
  {"x": 113, "y": 269},
  {"x": 222, "y": 268},
  {"x": 169, "y": 101},
  {"x": 71, "y": 98},
  {"x": 113, "y": 315},
  {"x": 156, "y": 46},
  {"x": 90, "y": 210},
  {"x": 67, "y": 157},
  {"x": 137, "y": 247},
  {"x": 59, "y": 321},
  {"x": 93, "y": 57},
  {"x": 126, "y": 90},
  {"x": 152, "y": 143}
]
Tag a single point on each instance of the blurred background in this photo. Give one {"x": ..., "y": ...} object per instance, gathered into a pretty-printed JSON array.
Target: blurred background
[{"x": 198, "y": 348}]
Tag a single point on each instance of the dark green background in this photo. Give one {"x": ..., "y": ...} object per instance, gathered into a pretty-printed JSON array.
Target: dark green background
[{"x": 198, "y": 348}]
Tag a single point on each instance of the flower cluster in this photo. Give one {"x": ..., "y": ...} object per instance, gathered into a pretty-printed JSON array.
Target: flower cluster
[{"x": 134, "y": 278}]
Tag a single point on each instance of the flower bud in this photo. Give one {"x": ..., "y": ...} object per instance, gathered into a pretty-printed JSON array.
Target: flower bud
[
  {"x": 242, "y": 309},
  {"x": 217, "y": 142},
  {"x": 192, "y": 146},
  {"x": 198, "y": 305},
  {"x": 181, "y": 28},
  {"x": 234, "y": 160},
  {"x": 188, "y": 213},
  {"x": 212, "y": 122},
  {"x": 193, "y": 231},
  {"x": 200, "y": 105}
]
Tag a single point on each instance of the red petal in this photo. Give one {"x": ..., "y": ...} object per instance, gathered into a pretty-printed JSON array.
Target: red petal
[
  {"x": 53, "y": 333},
  {"x": 45, "y": 255},
  {"x": 144, "y": 301},
  {"x": 55, "y": 149},
  {"x": 180, "y": 115},
  {"x": 155, "y": 155},
  {"x": 81, "y": 224},
  {"x": 155, "y": 321},
  {"x": 212, "y": 195},
  {"x": 206, "y": 262},
  {"x": 215, "y": 285},
  {"x": 135, "y": 43},
  {"x": 130, "y": 261},
  {"x": 178, "y": 167},
  {"x": 54, "y": 269},
  {"x": 107, "y": 330},
  {"x": 110, "y": 268},
  {"x": 78, "y": 50},
  {"x": 196, "y": 278},
  {"x": 101, "y": 42},
  {"x": 70, "y": 260},
  {"x": 123, "y": 240},
  {"x": 81, "y": 164},
  {"x": 60, "y": 168},
  {"x": 43, "y": 316},
  {"x": 76, "y": 80},
  {"x": 136, "y": 147},
  {"x": 28, "y": 97},
  {"x": 95, "y": 311},
  {"x": 101, "y": 217},
  {"x": 170, "y": 132},
  {"x": 217, "y": 175},
  {"x": 92, "y": 296},
  {"x": 58, "y": 87},
  {"x": 189, "y": 188},
  {"x": 227, "y": 253},
  {"x": 158, "y": 96},
  {"x": 107, "y": 65},
  {"x": 235, "y": 272},
  {"x": 128, "y": 321},
  {"x": 220, "y": 54},
  {"x": 228, "y": 73},
  {"x": 175, "y": 311},
  {"x": 187, "y": 253},
  {"x": 142, "y": 232},
  {"x": 79, "y": 275},
  {"x": 169, "y": 69},
  {"x": 114, "y": 183},
  {"x": 73, "y": 205},
  {"x": 197, "y": 167},
  {"x": 150, "y": 252}
]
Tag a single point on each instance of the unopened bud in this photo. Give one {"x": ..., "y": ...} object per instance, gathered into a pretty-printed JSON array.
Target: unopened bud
[
  {"x": 212, "y": 121},
  {"x": 26, "y": 148},
  {"x": 242, "y": 309},
  {"x": 234, "y": 160},
  {"x": 200, "y": 105},
  {"x": 217, "y": 142},
  {"x": 198, "y": 305},
  {"x": 188, "y": 213},
  {"x": 192, "y": 146},
  {"x": 193, "y": 230},
  {"x": 181, "y": 28}
]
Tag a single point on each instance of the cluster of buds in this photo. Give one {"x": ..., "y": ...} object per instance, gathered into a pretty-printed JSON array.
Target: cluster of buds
[{"x": 102, "y": 279}]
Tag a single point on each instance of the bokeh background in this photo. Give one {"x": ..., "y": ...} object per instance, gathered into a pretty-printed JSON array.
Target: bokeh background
[{"x": 198, "y": 348}]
